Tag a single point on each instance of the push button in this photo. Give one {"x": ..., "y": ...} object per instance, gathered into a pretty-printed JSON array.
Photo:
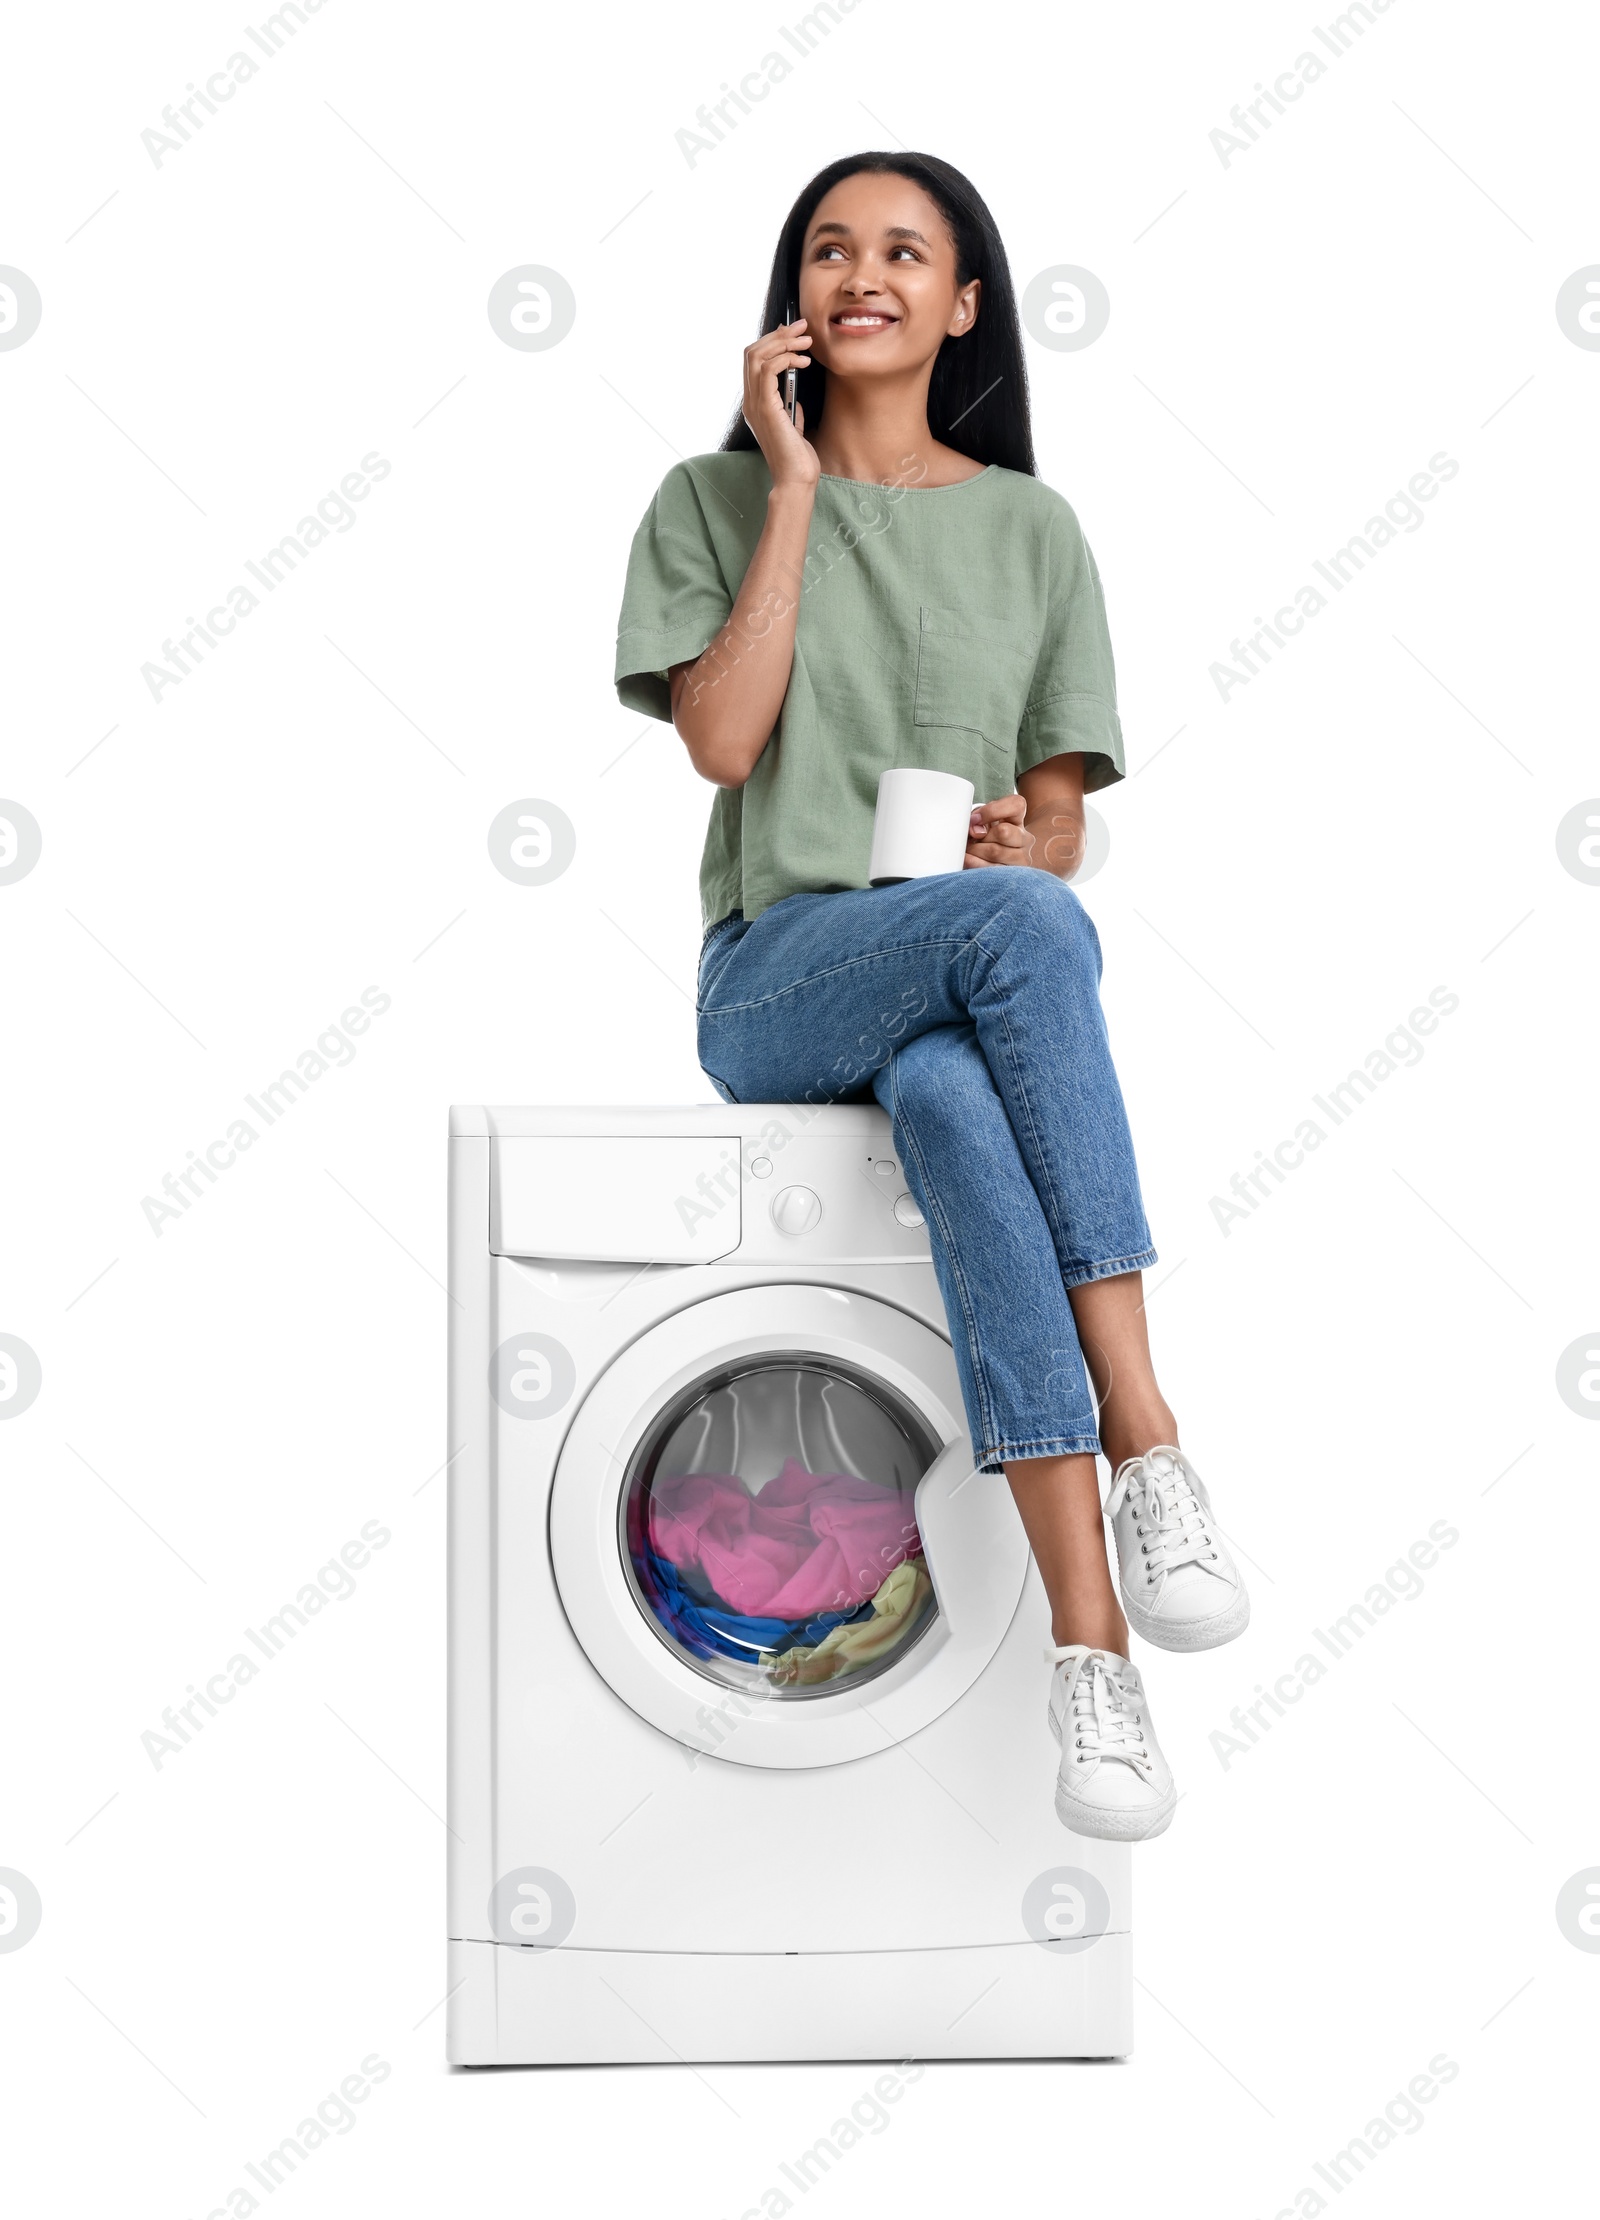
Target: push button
[
  {"x": 906, "y": 1211},
  {"x": 796, "y": 1209}
]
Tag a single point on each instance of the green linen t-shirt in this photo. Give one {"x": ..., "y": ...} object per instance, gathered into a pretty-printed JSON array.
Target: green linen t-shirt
[{"x": 960, "y": 628}]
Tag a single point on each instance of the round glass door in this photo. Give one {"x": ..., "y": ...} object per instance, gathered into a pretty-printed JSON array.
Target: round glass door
[{"x": 768, "y": 1530}]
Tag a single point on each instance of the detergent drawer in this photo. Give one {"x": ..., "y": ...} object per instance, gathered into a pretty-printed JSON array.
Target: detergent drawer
[{"x": 615, "y": 1199}]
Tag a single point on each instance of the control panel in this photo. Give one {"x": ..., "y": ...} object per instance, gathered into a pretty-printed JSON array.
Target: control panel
[{"x": 812, "y": 1195}]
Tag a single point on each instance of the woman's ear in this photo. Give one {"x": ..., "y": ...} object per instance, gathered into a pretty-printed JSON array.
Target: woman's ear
[{"x": 966, "y": 309}]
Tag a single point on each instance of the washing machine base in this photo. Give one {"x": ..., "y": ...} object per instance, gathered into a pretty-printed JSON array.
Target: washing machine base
[{"x": 511, "y": 2007}]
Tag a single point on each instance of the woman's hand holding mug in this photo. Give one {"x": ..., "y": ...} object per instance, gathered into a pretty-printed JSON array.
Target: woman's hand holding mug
[
  {"x": 998, "y": 833},
  {"x": 1049, "y": 835}
]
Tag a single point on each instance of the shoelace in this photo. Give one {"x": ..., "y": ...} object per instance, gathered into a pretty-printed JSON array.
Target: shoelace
[
  {"x": 1172, "y": 1496},
  {"x": 1100, "y": 1713}
]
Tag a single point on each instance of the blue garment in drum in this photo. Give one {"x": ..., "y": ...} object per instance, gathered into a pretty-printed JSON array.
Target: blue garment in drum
[{"x": 707, "y": 1630}]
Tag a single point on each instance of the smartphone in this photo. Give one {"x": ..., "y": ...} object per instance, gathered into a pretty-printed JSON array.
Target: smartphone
[{"x": 791, "y": 377}]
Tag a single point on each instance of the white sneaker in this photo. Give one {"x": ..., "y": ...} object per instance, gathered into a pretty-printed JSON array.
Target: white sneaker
[
  {"x": 1180, "y": 1588},
  {"x": 1113, "y": 1781}
]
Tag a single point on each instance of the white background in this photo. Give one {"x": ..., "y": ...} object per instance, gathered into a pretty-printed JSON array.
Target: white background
[{"x": 1292, "y": 336}]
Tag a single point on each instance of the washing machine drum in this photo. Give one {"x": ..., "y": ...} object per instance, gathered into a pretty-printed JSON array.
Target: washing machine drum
[
  {"x": 769, "y": 1526},
  {"x": 768, "y": 1534}
]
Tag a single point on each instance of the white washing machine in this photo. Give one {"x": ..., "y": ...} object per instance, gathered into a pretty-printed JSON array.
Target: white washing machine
[{"x": 748, "y": 1749}]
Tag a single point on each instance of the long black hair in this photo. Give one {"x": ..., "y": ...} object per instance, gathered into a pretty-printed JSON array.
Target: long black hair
[{"x": 978, "y": 394}]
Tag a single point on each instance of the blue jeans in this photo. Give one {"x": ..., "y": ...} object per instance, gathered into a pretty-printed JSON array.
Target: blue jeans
[{"x": 969, "y": 1005}]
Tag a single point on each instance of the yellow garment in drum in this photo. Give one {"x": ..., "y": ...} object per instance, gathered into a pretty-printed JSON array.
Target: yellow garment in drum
[{"x": 895, "y": 1609}]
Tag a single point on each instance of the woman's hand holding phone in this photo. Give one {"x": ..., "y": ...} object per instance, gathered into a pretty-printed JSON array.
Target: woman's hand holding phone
[
  {"x": 791, "y": 458},
  {"x": 726, "y": 705}
]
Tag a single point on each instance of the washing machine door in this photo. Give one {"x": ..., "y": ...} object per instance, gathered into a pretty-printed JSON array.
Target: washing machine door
[{"x": 768, "y": 1534}]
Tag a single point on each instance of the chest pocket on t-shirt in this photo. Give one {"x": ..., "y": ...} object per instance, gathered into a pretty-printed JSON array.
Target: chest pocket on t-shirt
[{"x": 973, "y": 675}]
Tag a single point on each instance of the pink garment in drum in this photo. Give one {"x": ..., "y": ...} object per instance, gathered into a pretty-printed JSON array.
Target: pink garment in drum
[{"x": 806, "y": 1542}]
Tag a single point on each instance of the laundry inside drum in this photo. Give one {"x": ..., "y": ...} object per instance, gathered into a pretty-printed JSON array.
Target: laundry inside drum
[{"x": 768, "y": 1528}]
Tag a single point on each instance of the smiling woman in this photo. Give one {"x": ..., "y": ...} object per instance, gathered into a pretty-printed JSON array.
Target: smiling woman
[
  {"x": 934, "y": 262},
  {"x": 882, "y": 582}
]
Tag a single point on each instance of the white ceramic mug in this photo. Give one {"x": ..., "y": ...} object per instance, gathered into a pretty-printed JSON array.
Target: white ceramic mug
[{"x": 920, "y": 826}]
